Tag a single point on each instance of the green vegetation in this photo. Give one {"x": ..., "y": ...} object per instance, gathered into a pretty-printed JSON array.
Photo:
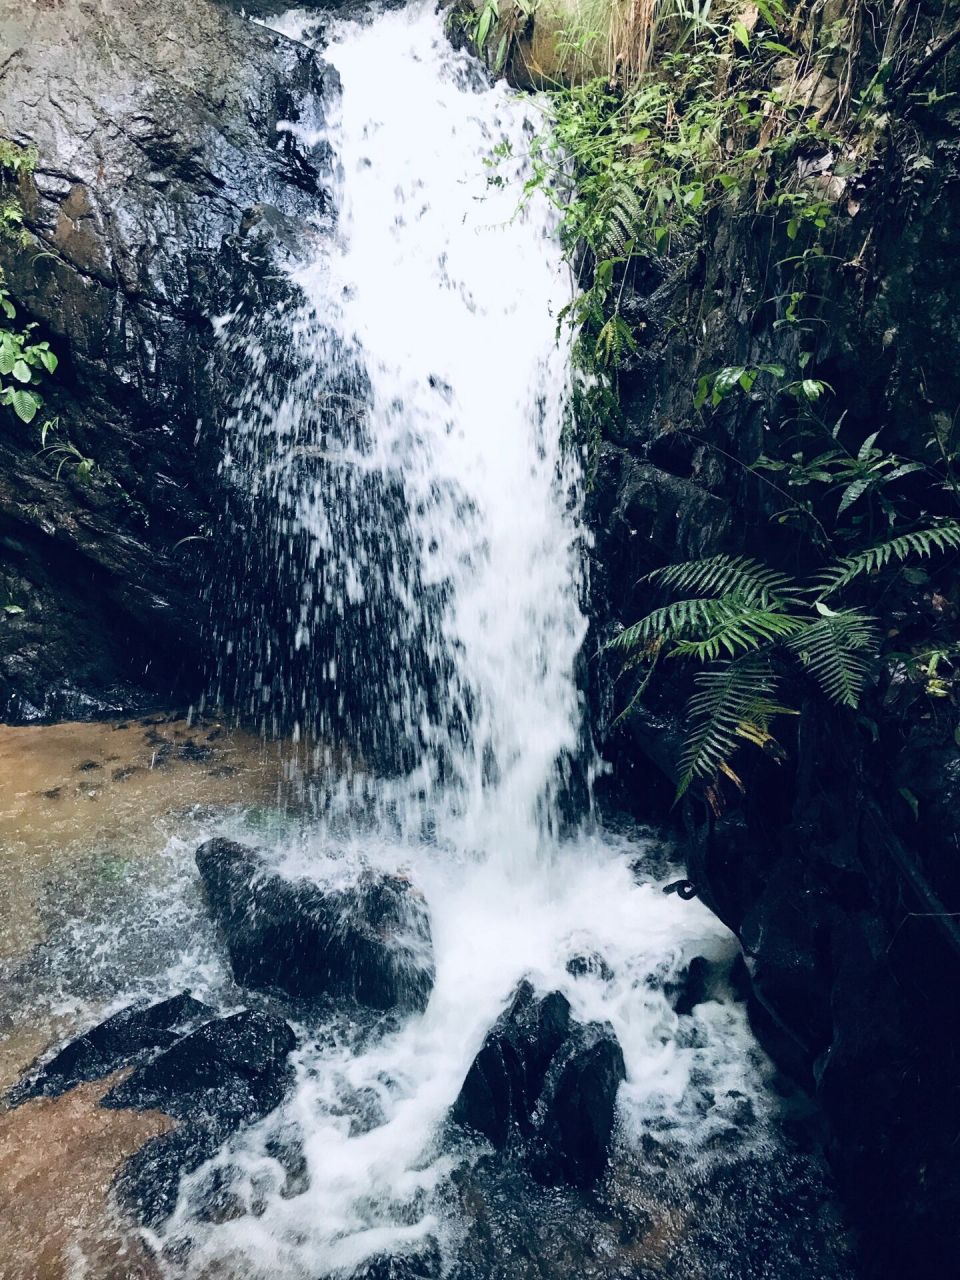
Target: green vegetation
[
  {"x": 670, "y": 120},
  {"x": 23, "y": 360},
  {"x": 739, "y": 620}
]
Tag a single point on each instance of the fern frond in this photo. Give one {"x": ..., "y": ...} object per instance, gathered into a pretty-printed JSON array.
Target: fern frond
[
  {"x": 921, "y": 542},
  {"x": 621, "y": 214},
  {"x": 672, "y": 621},
  {"x": 739, "y": 627},
  {"x": 833, "y": 649},
  {"x": 728, "y": 697},
  {"x": 725, "y": 575}
]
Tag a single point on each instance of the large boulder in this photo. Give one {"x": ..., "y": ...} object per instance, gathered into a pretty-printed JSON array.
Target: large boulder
[
  {"x": 211, "y": 1075},
  {"x": 227, "y": 1074},
  {"x": 369, "y": 942},
  {"x": 545, "y": 1086},
  {"x": 164, "y": 194}
]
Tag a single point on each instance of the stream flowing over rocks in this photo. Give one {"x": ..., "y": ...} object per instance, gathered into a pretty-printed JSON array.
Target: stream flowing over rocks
[{"x": 413, "y": 1009}]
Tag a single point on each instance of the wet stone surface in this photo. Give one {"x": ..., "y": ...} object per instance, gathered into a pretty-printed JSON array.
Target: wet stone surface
[
  {"x": 369, "y": 942},
  {"x": 545, "y": 1086}
]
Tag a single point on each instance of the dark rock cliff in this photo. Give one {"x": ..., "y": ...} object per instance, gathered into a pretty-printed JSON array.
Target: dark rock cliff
[
  {"x": 160, "y": 184},
  {"x": 839, "y": 867}
]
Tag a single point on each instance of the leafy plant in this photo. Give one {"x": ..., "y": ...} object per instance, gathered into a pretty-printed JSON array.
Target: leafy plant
[
  {"x": 69, "y": 453},
  {"x": 921, "y": 543},
  {"x": 741, "y": 621},
  {"x": 637, "y": 159},
  {"x": 23, "y": 360}
]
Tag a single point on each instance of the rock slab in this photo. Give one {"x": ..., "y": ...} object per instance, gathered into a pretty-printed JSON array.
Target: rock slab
[
  {"x": 227, "y": 1074},
  {"x": 134, "y": 1035},
  {"x": 545, "y": 1086},
  {"x": 370, "y": 942}
]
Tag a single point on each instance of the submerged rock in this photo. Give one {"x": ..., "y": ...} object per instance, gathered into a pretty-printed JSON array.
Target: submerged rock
[
  {"x": 693, "y": 985},
  {"x": 227, "y": 1074},
  {"x": 545, "y": 1085},
  {"x": 590, "y": 966},
  {"x": 370, "y": 942},
  {"x": 133, "y": 1035},
  {"x": 425, "y": 1265}
]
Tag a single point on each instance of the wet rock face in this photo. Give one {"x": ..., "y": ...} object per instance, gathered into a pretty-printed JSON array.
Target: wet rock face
[
  {"x": 162, "y": 194},
  {"x": 227, "y": 1074},
  {"x": 212, "y": 1079},
  {"x": 133, "y": 1035},
  {"x": 370, "y": 942},
  {"x": 546, "y": 1086}
]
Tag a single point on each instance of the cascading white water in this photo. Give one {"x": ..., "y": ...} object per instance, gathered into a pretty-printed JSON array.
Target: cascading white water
[
  {"x": 447, "y": 296},
  {"x": 450, "y": 295}
]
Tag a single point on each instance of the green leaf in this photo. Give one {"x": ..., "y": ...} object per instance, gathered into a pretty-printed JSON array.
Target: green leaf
[
  {"x": 484, "y": 23},
  {"x": 726, "y": 380},
  {"x": 21, "y": 371},
  {"x": 749, "y": 580},
  {"x": 728, "y": 696},
  {"x": 866, "y": 447},
  {"x": 741, "y": 34},
  {"x": 25, "y": 405},
  {"x": 920, "y": 542},
  {"x": 833, "y": 650},
  {"x": 49, "y": 361},
  {"x": 911, "y": 800},
  {"x": 502, "y": 52},
  {"x": 738, "y": 628},
  {"x": 852, "y": 493},
  {"x": 905, "y": 470}
]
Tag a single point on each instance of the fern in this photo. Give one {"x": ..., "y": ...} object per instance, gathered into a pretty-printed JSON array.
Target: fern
[
  {"x": 835, "y": 650},
  {"x": 739, "y": 627},
  {"x": 922, "y": 542},
  {"x": 621, "y": 214},
  {"x": 672, "y": 621},
  {"x": 744, "y": 615},
  {"x": 730, "y": 698},
  {"x": 721, "y": 575}
]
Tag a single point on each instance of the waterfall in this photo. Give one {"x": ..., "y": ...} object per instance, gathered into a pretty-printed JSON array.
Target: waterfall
[
  {"x": 426, "y": 521},
  {"x": 426, "y": 518},
  {"x": 449, "y": 293}
]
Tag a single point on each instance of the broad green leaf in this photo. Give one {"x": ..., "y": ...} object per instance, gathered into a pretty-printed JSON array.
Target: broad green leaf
[
  {"x": 851, "y": 494},
  {"x": 25, "y": 405}
]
